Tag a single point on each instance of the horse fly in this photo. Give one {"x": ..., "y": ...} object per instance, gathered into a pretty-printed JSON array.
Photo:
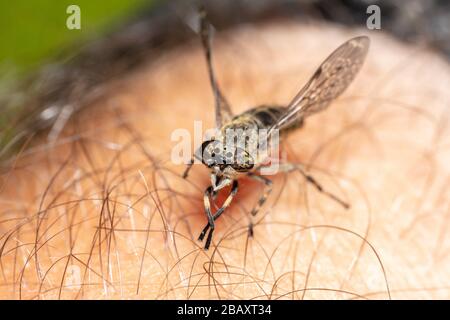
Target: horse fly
[{"x": 228, "y": 160}]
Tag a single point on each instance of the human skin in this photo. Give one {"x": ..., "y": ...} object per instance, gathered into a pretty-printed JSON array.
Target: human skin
[{"x": 103, "y": 213}]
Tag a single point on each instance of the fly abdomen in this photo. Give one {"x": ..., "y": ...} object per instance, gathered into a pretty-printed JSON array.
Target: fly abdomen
[
  {"x": 264, "y": 116},
  {"x": 267, "y": 116}
]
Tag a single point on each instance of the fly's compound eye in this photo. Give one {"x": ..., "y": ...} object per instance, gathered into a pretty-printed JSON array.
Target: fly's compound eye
[
  {"x": 228, "y": 156},
  {"x": 211, "y": 153}
]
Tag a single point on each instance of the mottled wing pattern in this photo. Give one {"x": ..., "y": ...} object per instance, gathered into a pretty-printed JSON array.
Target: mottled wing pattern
[{"x": 328, "y": 82}]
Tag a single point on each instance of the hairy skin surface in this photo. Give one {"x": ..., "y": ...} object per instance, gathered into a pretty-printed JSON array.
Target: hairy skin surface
[{"x": 103, "y": 213}]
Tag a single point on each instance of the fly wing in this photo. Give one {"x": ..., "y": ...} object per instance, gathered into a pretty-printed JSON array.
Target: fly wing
[
  {"x": 331, "y": 79},
  {"x": 222, "y": 108}
]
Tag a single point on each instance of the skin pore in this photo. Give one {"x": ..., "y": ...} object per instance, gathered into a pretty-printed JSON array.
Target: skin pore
[{"x": 103, "y": 213}]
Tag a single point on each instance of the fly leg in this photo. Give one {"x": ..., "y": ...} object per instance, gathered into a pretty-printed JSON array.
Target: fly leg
[
  {"x": 189, "y": 166},
  {"x": 289, "y": 167},
  {"x": 209, "y": 215},
  {"x": 268, "y": 189},
  {"x": 211, "y": 218}
]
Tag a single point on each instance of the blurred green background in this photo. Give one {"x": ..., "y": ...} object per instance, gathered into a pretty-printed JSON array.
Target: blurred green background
[{"x": 32, "y": 31}]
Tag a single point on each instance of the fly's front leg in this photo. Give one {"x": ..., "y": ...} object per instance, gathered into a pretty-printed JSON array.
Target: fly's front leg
[
  {"x": 211, "y": 218},
  {"x": 288, "y": 167},
  {"x": 209, "y": 215}
]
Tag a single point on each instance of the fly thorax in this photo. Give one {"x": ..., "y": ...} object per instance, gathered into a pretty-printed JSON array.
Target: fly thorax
[{"x": 240, "y": 140}]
